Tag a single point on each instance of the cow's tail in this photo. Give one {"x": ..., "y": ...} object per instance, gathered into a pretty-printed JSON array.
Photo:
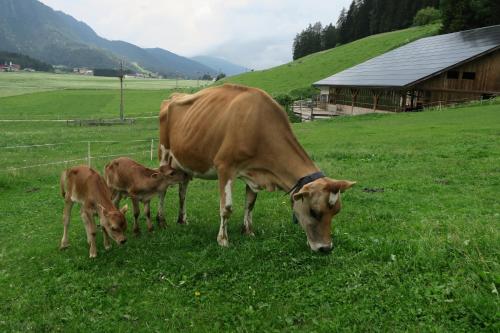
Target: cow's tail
[{"x": 62, "y": 182}]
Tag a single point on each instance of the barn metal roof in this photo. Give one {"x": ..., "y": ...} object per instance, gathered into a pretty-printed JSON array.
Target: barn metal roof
[{"x": 419, "y": 60}]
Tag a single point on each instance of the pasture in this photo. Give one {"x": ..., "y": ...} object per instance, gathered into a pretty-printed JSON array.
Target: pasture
[
  {"x": 18, "y": 83},
  {"x": 415, "y": 246}
]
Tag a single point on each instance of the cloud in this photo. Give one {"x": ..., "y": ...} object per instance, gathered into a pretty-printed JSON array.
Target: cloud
[{"x": 253, "y": 33}]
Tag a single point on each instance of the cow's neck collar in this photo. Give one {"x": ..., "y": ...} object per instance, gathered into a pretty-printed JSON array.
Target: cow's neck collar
[{"x": 304, "y": 181}]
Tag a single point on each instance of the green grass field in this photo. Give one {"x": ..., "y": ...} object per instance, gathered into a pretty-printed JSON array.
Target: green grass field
[
  {"x": 18, "y": 83},
  {"x": 420, "y": 254},
  {"x": 305, "y": 71}
]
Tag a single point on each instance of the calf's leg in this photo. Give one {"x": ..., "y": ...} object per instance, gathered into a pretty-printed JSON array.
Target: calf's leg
[
  {"x": 182, "y": 219},
  {"x": 116, "y": 198},
  {"x": 137, "y": 210},
  {"x": 90, "y": 228},
  {"x": 147, "y": 212},
  {"x": 160, "y": 217},
  {"x": 250, "y": 199},
  {"x": 106, "y": 238},
  {"x": 68, "y": 205}
]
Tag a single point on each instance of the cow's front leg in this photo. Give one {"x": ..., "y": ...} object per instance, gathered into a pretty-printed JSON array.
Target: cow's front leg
[
  {"x": 226, "y": 207},
  {"x": 90, "y": 228},
  {"x": 250, "y": 199},
  {"x": 137, "y": 211},
  {"x": 68, "y": 204},
  {"x": 182, "y": 219},
  {"x": 147, "y": 212},
  {"x": 160, "y": 216}
]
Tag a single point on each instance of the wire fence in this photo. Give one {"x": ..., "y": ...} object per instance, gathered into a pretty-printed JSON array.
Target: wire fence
[{"x": 88, "y": 158}]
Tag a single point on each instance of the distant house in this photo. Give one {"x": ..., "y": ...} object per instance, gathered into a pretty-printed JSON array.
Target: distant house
[
  {"x": 10, "y": 67},
  {"x": 440, "y": 70},
  {"x": 83, "y": 71}
]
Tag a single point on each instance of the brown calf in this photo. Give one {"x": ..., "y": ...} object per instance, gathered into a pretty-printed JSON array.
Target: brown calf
[
  {"x": 84, "y": 185},
  {"x": 126, "y": 177}
]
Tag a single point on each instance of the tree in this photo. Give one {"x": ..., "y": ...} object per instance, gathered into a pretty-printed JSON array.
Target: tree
[
  {"x": 469, "y": 14},
  {"x": 427, "y": 15}
]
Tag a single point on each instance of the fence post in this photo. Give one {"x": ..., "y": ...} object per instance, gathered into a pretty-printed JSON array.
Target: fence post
[
  {"x": 152, "y": 146},
  {"x": 88, "y": 153}
]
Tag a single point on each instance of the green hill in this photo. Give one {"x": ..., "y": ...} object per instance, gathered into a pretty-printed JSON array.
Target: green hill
[{"x": 300, "y": 74}]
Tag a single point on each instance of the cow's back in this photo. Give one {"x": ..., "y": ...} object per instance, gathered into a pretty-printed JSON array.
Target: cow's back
[{"x": 226, "y": 124}]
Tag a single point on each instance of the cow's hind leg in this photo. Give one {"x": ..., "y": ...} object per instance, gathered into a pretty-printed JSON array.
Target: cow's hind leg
[
  {"x": 226, "y": 205},
  {"x": 68, "y": 205},
  {"x": 147, "y": 212},
  {"x": 137, "y": 210},
  {"x": 182, "y": 219},
  {"x": 250, "y": 199},
  {"x": 160, "y": 216},
  {"x": 90, "y": 227}
]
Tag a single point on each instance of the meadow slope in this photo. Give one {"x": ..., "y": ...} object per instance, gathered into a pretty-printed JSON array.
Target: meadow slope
[
  {"x": 303, "y": 72},
  {"x": 415, "y": 246}
]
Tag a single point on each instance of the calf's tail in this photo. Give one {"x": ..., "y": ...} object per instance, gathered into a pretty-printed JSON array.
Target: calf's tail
[{"x": 63, "y": 183}]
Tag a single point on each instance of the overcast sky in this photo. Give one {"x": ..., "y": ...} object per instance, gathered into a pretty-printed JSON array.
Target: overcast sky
[{"x": 254, "y": 33}]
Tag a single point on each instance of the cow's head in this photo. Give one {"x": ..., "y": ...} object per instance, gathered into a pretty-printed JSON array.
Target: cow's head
[
  {"x": 114, "y": 223},
  {"x": 315, "y": 205}
]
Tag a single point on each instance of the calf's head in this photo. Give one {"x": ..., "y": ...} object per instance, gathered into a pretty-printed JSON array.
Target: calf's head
[
  {"x": 170, "y": 176},
  {"x": 315, "y": 205},
  {"x": 114, "y": 223}
]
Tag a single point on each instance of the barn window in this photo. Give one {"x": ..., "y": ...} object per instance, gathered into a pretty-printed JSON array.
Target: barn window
[
  {"x": 469, "y": 75},
  {"x": 454, "y": 75}
]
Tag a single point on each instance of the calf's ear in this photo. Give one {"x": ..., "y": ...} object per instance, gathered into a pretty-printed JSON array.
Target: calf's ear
[
  {"x": 166, "y": 170},
  {"x": 124, "y": 209}
]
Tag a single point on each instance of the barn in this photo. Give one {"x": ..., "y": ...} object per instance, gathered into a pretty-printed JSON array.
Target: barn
[{"x": 434, "y": 71}]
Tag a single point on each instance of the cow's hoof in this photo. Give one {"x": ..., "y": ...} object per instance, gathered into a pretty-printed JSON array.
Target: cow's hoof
[
  {"x": 107, "y": 248},
  {"x": 246, "y": 231},
  {"x": 63, "y": 247},
  {"x": 137, "y": 232},
  {"x": 223, "y": 242},
  {"x": 150, "y": 229},
  {"x": 93, "y": 255},
  {"x": 181, "y": 220}
]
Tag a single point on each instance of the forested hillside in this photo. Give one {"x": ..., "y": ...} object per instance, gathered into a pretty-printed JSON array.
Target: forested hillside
[{"x": 367, "y": 17}]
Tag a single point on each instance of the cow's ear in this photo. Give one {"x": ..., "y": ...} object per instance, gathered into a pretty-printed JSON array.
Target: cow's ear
[
  {"x": 301, "y": 195},
  {"x": 124, "y": 209},
  {"x": 335, "y": 186}
]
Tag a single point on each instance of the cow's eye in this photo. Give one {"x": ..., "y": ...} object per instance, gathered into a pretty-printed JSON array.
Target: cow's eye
[{"x": 314, "y": 214}]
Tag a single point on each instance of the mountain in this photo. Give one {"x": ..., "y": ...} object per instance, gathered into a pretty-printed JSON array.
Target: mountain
[
  {"x": 32, "y": 28},
  {"x": 296, "y": 77},
  {"x": 221, "y": 65}
]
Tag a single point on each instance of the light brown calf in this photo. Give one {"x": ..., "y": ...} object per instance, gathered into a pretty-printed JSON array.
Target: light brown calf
[
  {"x": 125, "y": 177},
  {"x": 84, "y": 185}
]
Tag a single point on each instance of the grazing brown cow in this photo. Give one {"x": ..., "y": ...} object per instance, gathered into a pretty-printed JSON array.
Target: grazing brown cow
[
  {"x": 230, "y": 132},
  {"x": 84, "y": 185},
  {"x": 126, "y": 177}
]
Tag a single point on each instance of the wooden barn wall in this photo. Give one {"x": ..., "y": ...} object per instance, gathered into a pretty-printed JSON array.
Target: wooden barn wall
[{"x": 487, "y": 80}]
